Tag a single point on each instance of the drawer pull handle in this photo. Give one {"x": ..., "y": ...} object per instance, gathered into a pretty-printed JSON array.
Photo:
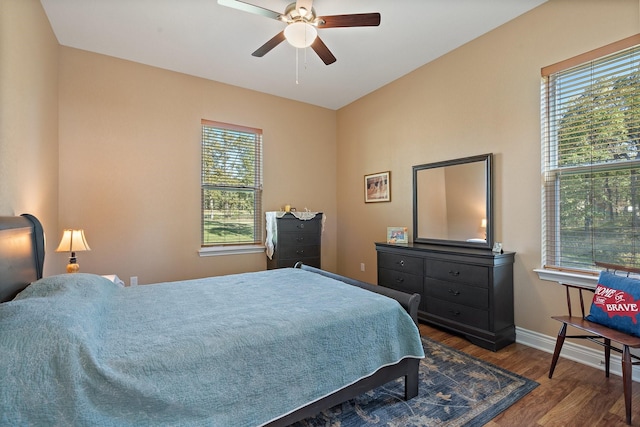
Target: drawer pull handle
[
  {"x": 299, "y": 252},
  {"x": 299, "y": 239},
  {"x": 300, "y": 225},
  {"x": 401, "y": 263},
  {"x": 454, "y": 273},
  {"x": 455, "y": 293},
  {"x": 454, "y": 312},
  {"x": 400, "y": 279}
]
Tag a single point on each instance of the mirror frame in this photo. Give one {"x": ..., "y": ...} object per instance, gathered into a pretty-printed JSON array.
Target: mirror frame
[{"x": 488, "y": 161}]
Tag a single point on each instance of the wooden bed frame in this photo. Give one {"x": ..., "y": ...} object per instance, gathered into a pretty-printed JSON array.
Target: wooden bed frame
[{"x": 22, "y": 260}]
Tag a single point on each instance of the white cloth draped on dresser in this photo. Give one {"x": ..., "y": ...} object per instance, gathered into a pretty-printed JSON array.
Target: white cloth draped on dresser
[{"x": 272, "y": 224}]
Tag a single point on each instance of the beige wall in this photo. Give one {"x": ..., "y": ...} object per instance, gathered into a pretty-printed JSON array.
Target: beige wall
[
  {"x": 483, "y": 97},
  {"x": 130, "y": 164},
  {"x": 29, "y": 116}
]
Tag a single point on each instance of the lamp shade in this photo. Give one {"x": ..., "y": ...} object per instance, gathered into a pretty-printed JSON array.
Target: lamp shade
[
  {"x": 300, "y": 34},
  {"x": 73, "y": 241}
]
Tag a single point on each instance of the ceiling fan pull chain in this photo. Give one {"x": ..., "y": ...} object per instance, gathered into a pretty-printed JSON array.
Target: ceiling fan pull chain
[{"x": 298, "y": 64}]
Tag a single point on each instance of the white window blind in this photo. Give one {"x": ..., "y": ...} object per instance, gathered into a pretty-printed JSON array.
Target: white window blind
[
  {"x": 231, "y": 186},
  {"x": 591, "y": 160}
]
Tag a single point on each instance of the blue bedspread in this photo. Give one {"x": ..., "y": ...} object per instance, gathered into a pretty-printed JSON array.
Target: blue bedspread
[{"x": 238, "y": 350}]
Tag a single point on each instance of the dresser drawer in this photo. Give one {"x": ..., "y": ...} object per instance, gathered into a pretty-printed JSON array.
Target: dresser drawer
[
  {"x": 407, "y": 264},
  {"x": 298, "y": 238},
  {"x": 293, "y": 224},
  {"x": 458, "y": 312},
  {"x": 400, "y": 281},
  {"x": 472, "y": 296},
  {"x": 299, "y": 251},
  {"x": 457, "y": 272}
]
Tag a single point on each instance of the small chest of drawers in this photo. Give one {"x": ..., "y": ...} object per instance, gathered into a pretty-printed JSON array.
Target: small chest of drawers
[
  {"x": 469, "y": 291},
  {"x": 296, "y": 240}
]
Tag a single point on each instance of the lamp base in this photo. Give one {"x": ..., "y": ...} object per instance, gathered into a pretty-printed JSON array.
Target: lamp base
[{"x": 73, "y": 268}]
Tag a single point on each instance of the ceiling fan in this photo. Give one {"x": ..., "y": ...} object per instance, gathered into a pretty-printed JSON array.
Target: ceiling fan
[{"x": 303, "y": 24}]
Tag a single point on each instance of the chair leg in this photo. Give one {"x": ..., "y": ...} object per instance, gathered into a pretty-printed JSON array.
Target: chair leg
[
  {"x": 607, "y": 356},
  {"x": 556, "y": 353},
  {"x": 627, "y": 381}
]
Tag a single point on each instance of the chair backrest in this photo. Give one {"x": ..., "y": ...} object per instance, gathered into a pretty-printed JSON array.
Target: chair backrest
[{"x": 613, "y": 268}]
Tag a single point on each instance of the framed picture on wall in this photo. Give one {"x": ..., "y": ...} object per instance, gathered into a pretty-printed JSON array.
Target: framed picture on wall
[
  {"x": 377, "y": 187},
  {"x": 397, "y": 235}
]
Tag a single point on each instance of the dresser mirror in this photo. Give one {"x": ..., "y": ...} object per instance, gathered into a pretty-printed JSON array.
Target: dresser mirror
[{"x": 452, "y": 202}]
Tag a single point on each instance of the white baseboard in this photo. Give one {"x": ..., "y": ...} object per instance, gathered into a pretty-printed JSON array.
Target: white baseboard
[{"x": 572, "y": 351}]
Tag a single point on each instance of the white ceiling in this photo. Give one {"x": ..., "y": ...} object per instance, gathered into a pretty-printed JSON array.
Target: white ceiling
[{"x": 205, "y": 39}]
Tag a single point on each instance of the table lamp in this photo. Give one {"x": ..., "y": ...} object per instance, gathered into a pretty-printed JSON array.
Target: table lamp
[{"x": 73, "y": 241}]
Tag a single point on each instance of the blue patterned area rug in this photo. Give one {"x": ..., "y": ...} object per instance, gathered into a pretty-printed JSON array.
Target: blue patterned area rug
[{"x": 455, "y": 390}]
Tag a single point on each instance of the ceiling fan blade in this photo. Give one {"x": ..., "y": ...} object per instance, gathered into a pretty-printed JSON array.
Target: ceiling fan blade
[
  {"x": 353, "y": 20},
  {"x": 323, "y": 51},
  {"x": 247, "y": 7},
  {"x": 265, "y": 48}
]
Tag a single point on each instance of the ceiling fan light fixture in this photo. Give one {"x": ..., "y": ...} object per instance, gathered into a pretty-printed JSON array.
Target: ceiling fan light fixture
[{"x": 300, "y": 34}]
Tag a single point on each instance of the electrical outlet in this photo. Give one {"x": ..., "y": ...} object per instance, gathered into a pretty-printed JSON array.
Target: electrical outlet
[
  {"x": 362, "y": 266},
  {"x": 133, "y": 281}
]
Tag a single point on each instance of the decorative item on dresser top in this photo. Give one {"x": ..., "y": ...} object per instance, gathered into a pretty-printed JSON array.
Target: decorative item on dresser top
[
  {"x": 294, "y": 237},
  {"x": 466, "y": 290}
]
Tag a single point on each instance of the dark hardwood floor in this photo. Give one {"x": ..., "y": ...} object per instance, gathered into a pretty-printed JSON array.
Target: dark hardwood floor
[{"x": 577, "y": 395}]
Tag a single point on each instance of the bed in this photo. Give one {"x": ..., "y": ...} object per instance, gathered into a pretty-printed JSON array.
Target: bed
[{"x": 266, "y": 348}]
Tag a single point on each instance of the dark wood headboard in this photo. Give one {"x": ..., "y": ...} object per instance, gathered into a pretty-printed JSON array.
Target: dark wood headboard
[{"x": 21, "y": 254}]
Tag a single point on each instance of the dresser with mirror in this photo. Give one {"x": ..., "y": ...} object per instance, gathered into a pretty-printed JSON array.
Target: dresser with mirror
[{"x": 466, "y": 286}]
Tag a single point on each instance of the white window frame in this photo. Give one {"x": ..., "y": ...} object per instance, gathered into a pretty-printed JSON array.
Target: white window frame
[
  {"x": 234, "y": 248},
  {"x": 580, "y": 276}
]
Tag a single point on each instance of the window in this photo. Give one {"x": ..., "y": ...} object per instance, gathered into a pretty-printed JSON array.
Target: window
[
  {"x": 591, "y": 139},
  {"x": 231, "y": 185}
]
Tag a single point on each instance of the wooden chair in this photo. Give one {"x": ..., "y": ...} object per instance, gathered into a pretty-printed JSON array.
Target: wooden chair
[{"x": 601, "y": 335}]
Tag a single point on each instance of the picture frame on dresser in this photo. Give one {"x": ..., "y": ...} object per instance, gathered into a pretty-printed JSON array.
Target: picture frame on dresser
[
  {"x": 377, "y": 187},
  {"x": 397, "y": 235}
]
